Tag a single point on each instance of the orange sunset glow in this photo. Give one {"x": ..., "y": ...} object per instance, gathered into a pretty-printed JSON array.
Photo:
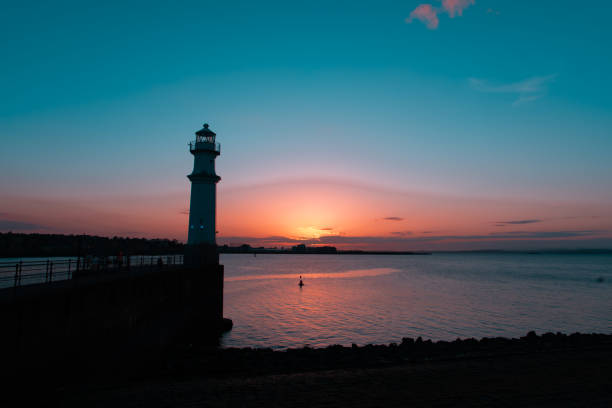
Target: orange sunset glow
[
  {"x": 349, "y": 215},
  {"x": 340, "y": 213}
]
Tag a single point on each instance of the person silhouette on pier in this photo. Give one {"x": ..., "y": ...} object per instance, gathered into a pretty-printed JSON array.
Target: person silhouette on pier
[{"x": 301, "y": 282}]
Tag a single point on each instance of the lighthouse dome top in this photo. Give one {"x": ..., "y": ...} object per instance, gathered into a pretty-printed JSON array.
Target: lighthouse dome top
[
  {"x": 205, "y": 141},
  {"x": 205, "y": 131}
]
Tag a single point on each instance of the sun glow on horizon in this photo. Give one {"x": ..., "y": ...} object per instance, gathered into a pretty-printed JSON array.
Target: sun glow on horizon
[{"x": 312, "y": 232}]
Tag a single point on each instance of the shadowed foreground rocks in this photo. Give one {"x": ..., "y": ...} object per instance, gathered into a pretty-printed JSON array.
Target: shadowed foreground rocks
[{"x": 548, "y": 370}]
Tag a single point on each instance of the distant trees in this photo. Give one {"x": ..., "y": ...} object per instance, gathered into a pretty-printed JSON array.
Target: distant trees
[{"x": 14, "y": 245}]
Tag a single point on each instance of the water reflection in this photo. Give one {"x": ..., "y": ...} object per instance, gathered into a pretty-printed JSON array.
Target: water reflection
[{"x": 380, "y": 299}]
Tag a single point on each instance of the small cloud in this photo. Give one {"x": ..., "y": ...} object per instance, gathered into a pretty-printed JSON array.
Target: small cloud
[
  {"x": 542, "y": 234},
  {"x": 393, "y": 219},
  {"x": 527, "y": 90},
  {"x": 402, "y": 233},
  {"x": 492, "y": 11},
  {"x": 524, "y": 99},
  {"x": 326, "y": 229},
  {"x": 456, "y": 7},
  {"x": 426, "y": 14},
  {"x": 516, "y": 222}
]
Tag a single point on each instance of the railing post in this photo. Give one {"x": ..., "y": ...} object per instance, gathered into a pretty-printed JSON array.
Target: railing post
[
  {"x": 20, "y": 271},
  {"x": 16, "y": 273},
  {"x": 69, "y": 262},
  {"x": 47, "y": 271},
  {"x": 51, "y": 272}
]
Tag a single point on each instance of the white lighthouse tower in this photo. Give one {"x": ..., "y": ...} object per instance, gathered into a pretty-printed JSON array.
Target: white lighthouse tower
[{"x": 202, "y": 208}]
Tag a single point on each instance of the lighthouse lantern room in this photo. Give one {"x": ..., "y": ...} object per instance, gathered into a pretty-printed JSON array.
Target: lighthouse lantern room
[{"x": 202, "y": 207}]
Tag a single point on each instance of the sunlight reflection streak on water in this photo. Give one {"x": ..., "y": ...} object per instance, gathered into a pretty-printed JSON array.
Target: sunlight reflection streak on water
[{"x": 357, "y": 273}]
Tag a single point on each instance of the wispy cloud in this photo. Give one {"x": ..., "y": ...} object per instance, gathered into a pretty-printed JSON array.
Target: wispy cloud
[
  {"x": 402, "y": 233},
  {"x": 541, "y": 234},
  {"x": 493, "y": 11},
  {"x": 428, "y": 14},
  {"x": 516, "y": 222},
  {"x": 393, "y": 219},
  {"x": 527, "y": 90},
  {"x": 510, "y": 235},
  {"x": 534, "y": 221},
  {"x": 456, "y": 7}
]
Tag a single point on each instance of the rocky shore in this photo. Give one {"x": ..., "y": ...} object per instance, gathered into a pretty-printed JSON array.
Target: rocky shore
[
  {"x": 249, "y": 361},
  {"x": 547, "y": 370}
]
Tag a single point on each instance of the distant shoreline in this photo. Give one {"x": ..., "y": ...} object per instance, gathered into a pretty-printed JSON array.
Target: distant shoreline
[
  {"x": 314, "y": 251},
  {"x": 19, "y": 245},
  {"x": 358, "y": 252}
]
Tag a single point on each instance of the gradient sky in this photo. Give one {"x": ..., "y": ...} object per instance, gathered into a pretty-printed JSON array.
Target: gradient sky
[{"x": 387, "y": 125}]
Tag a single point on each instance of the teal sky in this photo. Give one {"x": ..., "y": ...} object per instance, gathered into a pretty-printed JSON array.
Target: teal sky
[{"x": 509, "y": 100}]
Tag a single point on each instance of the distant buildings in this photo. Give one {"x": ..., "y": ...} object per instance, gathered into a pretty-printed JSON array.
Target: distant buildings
[
  {"x": 314, "y": 250},
  {"x": 299, "y": 249}
]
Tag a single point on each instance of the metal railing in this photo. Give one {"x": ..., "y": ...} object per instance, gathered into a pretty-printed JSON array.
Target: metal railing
[
  {"x": 195, "y": 145},
  {"x": 28, "y": 272}
]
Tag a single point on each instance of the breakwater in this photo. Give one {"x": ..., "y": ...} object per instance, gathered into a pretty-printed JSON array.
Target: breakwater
[
  {"x": 110, "y": 317},
  {"x": 551, "y": 370}
]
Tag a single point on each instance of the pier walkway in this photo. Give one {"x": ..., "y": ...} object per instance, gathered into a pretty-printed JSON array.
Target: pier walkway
[{"x": 18, "y": 272}]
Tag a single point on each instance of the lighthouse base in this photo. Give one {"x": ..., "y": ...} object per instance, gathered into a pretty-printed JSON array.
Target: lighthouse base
[{"x": 201, "y": 255}]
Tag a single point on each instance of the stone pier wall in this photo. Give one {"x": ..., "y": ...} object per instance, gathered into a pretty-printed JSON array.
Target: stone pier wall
[{"x": 109, "y": 316}]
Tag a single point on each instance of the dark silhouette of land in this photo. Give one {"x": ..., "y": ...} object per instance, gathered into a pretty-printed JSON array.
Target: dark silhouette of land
[
  {"x": 13, "y": 245},
  {"x": 16, "y": 245},
  {"x": 303, "y": 249}
]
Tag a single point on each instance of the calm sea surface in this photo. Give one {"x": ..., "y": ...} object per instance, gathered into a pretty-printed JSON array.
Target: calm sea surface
[{"x": 380, "y": 299}]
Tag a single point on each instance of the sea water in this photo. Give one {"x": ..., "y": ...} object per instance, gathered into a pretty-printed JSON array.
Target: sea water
[{"x": 379, "y": 299}]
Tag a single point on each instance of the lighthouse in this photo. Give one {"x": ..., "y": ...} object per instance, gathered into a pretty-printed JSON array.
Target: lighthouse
[
  {"x": 201, "y": 254},
  {"x": 202, "y": 207}
]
